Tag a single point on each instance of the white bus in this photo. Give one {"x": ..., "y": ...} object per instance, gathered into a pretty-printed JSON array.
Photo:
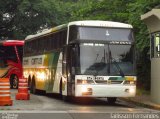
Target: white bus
[{"x": 82, "y": 59}]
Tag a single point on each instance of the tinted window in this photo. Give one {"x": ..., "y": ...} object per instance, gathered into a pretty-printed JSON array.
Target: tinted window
[
  {"x": 47, "y": 43},
  {"x": 105, "y": 59},
  {"x": 7, "y": 53},
  {"x": 100, "y": 34}
]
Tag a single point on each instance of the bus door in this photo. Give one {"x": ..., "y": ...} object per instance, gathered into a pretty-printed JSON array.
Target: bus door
[{"x": 69, "y": 67}]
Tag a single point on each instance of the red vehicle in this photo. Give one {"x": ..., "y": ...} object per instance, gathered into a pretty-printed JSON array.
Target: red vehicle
[{"x": 11, "y": 52}]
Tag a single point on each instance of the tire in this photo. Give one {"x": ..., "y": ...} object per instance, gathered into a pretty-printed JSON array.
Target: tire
[
  {"x": 111, "y": 100},
  {"x": 29, "y": 82},
  {"x": 14, "y": 82},
  {"x": 33, "y": 87}
]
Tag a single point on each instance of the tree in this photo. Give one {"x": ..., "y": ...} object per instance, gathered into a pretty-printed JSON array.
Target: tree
[
  {"x": 22, "y": 17},
  {"x": 136, "y": 9}
]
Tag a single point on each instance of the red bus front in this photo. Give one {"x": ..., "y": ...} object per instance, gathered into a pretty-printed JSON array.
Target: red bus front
[{"x": 11, "y": 52}]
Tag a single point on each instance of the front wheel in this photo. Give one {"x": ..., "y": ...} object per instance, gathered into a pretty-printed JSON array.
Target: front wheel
[
  {"x": 111, "y": 100},
  {"x": 14, "y": 82}
]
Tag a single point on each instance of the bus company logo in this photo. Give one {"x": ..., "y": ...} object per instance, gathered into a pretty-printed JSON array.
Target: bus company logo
[
  {"x": 35, "y": 61},
  {"x": 107, "y": 33}
]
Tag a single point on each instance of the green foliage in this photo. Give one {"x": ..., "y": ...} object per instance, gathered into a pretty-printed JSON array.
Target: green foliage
[{"x": 22, "y": 17}]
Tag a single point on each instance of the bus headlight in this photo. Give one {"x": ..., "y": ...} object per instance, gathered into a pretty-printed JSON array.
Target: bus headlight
[
  {"x": 130, "y": 90},
  {"x": 86, "y": 90}
]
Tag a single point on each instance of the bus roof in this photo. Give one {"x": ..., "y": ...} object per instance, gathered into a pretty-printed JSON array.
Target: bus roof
[
  {"x": 11, "y": 42},
  {"x": 48, "y": 31},
  {"x": 96, "y": 23}
]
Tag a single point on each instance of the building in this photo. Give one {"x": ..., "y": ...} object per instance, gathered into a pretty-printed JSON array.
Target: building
[{"x": 152, "y": 20}]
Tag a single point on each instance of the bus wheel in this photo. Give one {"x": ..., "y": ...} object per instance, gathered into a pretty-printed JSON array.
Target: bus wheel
[
  {"x": 111, "y": 100},
  {"x": 14, "y": 82},
  {"x": 29, "y": 82},
  {"x": 33, "y": 87}
]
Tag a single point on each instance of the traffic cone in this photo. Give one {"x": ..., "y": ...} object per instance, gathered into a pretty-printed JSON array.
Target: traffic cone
[
  {"x": 5, "y": 95},
  {"x": 23, "y": 90}
]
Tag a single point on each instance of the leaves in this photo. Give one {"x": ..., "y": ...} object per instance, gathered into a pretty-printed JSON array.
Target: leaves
[{"x": 22, "y": 17}]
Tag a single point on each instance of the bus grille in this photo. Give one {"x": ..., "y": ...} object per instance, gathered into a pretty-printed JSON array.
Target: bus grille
[{"x": 109, "y": 82}]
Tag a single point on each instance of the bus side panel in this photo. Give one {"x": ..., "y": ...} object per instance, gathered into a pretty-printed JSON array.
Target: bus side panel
[
  {"x": 48, "y": 62},
  {"x": 51, "y": 84},
  {"x": 58, "y": 72},
  {"x": 46, "y": 70},
  {"x": 33, "y": 67}
]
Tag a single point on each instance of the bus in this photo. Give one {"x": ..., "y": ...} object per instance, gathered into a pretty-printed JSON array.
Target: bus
[
  {"x": 11, "y": 53},
  {"x": 82, "y": 59}
]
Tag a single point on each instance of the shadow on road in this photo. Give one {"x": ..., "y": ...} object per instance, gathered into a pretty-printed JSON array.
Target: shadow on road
[{"x": 87, "y": 101}]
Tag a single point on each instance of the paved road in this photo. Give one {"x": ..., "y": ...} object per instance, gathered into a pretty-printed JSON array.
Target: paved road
[{"x": 50, "y": 107}]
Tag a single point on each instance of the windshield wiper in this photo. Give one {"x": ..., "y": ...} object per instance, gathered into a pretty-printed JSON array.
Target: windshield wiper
[
  {"x": 118, "y": 67},
  {"x": 116, "y": 64}
]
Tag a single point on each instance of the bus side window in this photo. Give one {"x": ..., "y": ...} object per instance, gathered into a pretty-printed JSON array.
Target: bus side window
[
  {"x": 63, "y": 37},
  {"x": 3, "y": 62},
  {"x": 10, "y": 54},
  {"x": 29, "y": 48},
  {"x": 53, "y": 42}
]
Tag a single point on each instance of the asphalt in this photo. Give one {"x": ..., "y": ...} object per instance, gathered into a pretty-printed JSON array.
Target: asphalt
[{"x": 143, "y": 100}]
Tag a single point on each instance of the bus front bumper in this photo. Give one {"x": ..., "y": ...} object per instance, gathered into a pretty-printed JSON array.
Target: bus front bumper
[{"x": 105, "y": 90}]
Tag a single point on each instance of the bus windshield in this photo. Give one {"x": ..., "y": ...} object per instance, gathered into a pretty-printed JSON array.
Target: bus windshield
[
  {"x": 8, "y": 53},
  {"x": 106, "y": 59}
]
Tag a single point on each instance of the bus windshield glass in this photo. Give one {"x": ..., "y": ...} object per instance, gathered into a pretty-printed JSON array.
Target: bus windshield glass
[
  {"x": 106, "y": 59},
  {"x": 8, "y": 53},
  {"x": 100, "y": 34}
]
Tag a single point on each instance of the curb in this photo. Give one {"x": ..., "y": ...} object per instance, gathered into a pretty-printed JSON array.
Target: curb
[{"x": 141, "y": 103}]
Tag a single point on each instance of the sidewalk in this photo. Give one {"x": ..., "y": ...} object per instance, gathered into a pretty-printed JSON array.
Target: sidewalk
[{"x": 143, "y": 100}]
